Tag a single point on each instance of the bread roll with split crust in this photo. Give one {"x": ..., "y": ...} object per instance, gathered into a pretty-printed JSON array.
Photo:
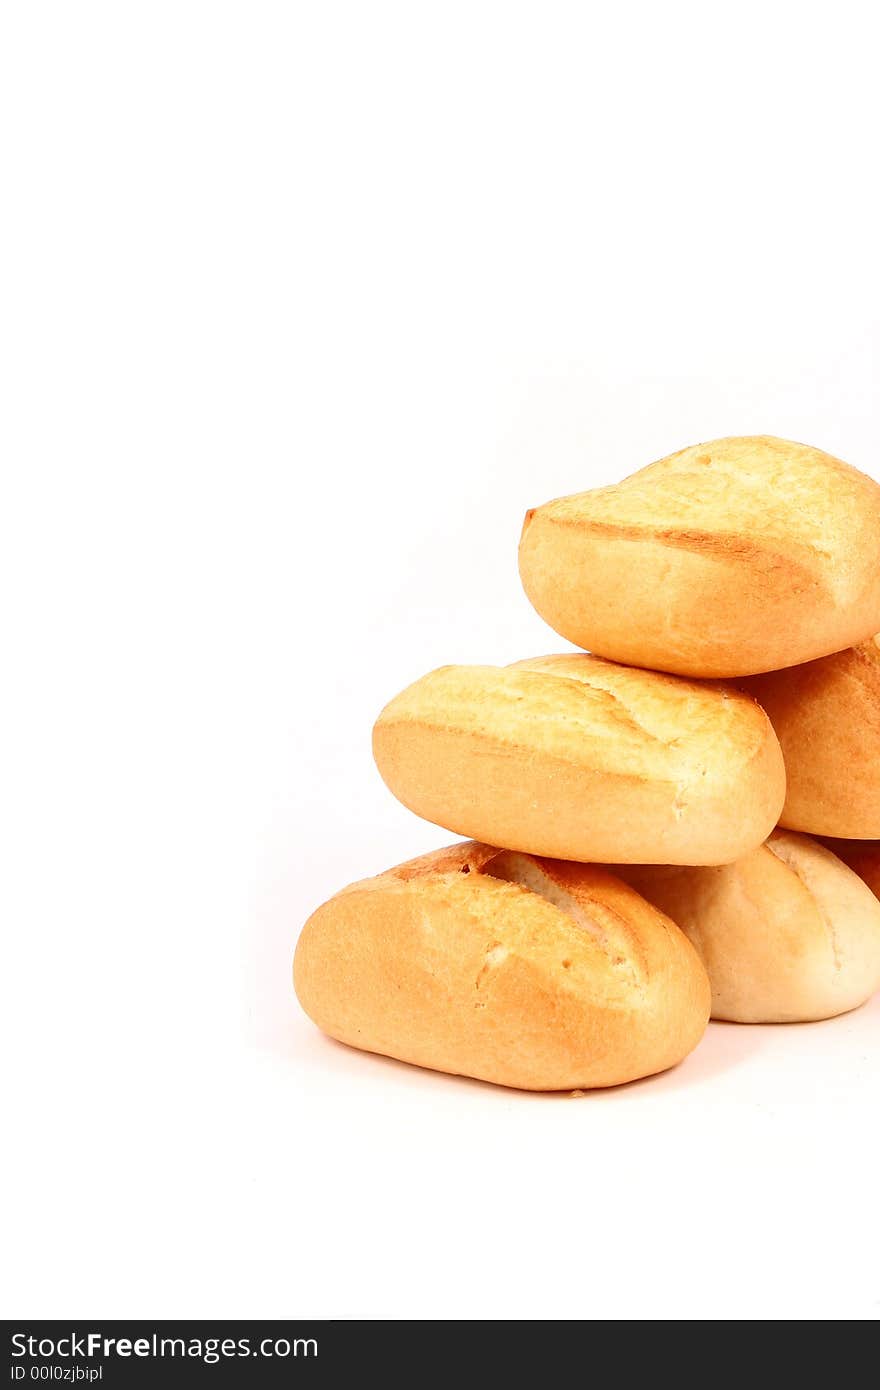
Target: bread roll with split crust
[
  {"x": 521, "y": 971},
  {"x": 788, "y": 934},
  {"x": 578, "y": 758},
  {"x": 827, "y": 718},
  {"x": 862, "y": 856},
  {"x": 728, "y": 558}
]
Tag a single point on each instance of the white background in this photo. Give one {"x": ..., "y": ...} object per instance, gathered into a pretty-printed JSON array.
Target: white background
[{"x": 302, "y": 306}]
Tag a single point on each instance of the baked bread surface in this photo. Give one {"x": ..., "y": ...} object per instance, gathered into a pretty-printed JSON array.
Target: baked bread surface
[
  {"x": 862, "y": 856},
  {"x": 577, "y": 758},
  {"x": 787, "y": 934},
  {"x": 826, "y": 715},
  {"x": 504, "y": 967},
  {"x": 728, "y": 558}
]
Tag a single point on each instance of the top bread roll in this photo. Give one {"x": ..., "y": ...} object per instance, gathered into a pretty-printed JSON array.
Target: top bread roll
[
  {"x": 573, "y": 757},
  {"x": 726, "y": 559}
]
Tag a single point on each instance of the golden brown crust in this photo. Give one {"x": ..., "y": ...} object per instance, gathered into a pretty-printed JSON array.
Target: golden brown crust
[
  {"x": 577, "y": 758},
  {"x": 787, "y": 934},
  {"x": 826, "y": 715},
  {"x": 728, "y": 558},
  {"x": 449, "y": 962}
]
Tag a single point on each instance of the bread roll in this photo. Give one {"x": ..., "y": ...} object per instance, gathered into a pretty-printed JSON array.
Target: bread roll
[
  {"x": 725, "y": 559},
  {"x": 521, "y": 971},
  {"x": 788, "y": 933},
  {"x": 862, "y": 856},
  {"x": 578, "y": 758},
  {"x": 827, "y": 717}
]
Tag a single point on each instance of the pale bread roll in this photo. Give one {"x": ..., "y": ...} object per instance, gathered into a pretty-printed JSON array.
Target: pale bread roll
[
  {"x": 728, "y": 558},
  {"x": 788, "y": 933},
  {"x": 827, "y": 718},
  {"x": 521, "y": 971},
  {"x": 862, "y": 856},
  {"x": 578, "y": 758}
]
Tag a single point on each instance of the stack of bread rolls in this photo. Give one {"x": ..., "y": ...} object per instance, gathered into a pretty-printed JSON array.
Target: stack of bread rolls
[{"x": 639, "y": 814}]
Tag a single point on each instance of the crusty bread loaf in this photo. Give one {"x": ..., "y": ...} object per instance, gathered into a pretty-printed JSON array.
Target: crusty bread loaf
[
  {"x": 788, "y": 933},
  {"x": 728, "y": 558},
  {"x": 826, "y": 715},
  {"x": 530, "y": 973},
  {"x": 578, "y": 758},
  {"x": 862, "y": 856}
]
